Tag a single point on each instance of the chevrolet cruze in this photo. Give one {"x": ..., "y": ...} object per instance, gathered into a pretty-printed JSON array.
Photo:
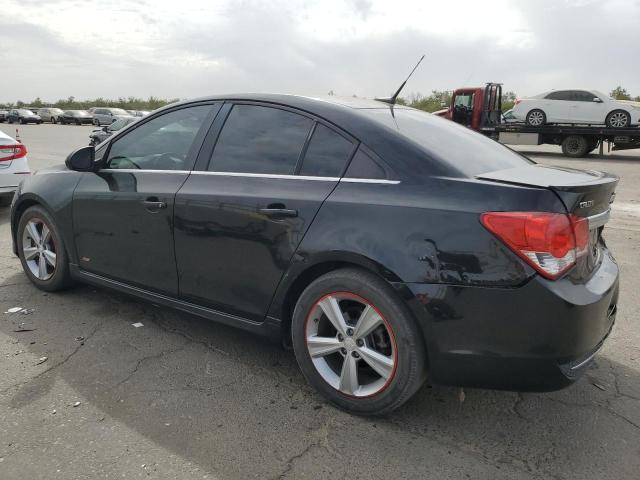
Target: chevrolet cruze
[{"x": 384, "y": 244}]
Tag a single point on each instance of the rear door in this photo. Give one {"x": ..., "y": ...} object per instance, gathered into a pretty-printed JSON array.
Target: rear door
[
  {"x": 240, "y": 218},
  {"x": 123, "y": 214},
  {"x": 558, "y": 106}
]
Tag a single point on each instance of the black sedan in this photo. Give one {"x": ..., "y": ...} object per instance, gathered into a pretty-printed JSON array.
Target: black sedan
[
  {"x": 77, "y": 117},
  {"x": 384, "y": 244},
  {"x": 22, "y": 115}
]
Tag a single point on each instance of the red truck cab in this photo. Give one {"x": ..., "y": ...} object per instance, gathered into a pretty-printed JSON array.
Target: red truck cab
[{"x": 475, "y": 107}]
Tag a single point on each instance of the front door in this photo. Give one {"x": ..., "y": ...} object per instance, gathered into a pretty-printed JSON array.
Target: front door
[
  {"x": 123, "y": 214},
  {"x": 239, "y": 222}
]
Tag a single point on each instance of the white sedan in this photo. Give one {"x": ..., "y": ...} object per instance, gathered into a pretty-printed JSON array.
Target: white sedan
[
  {"x": 13, "y": 167},
  {"x": 577, "y": 107}
]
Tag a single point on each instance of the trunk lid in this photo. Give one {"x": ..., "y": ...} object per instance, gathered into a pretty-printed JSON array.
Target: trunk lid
[{"x": 585, "y": 193}]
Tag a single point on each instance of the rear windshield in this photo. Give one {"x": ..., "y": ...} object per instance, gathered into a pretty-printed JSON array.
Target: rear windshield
[{"x": 468, "y": 152}]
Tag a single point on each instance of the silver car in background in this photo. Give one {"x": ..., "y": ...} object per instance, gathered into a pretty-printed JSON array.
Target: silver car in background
[
  {"x": 49, "y": 114},
  {"x": 106, "y": 116}
]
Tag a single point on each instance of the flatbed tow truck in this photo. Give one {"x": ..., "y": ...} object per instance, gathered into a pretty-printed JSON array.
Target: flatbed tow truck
[{"x": 480, "y": 108}]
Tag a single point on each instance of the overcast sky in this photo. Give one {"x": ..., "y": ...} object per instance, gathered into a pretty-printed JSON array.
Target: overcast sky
[{"x": 188, "y": 48}]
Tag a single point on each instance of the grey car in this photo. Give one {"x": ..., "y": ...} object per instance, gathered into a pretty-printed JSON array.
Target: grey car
[
  {"x": 49, "y": 114},
  {"x": 98, "y": 136},
  {"x": 106, "y": 116}
]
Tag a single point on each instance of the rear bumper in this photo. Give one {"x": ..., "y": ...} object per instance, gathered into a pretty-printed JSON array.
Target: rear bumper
[{"x": 537, "y": 337}]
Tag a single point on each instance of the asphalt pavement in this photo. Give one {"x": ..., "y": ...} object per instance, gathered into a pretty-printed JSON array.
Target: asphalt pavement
[{"x": 85, "y": 394}]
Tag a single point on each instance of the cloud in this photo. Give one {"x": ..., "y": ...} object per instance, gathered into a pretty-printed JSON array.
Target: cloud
[{"x": 364, "y": 47}]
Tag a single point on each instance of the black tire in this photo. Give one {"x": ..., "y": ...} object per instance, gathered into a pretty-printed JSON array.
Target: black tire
[
  {"x": 61, "y": 277},
  {"x": 96, "y": 122},
  {"x": 409, "y": 370},
  {"x": 78, "y": 122},
  {"x": 575, "y": 146},
  {"x": 53, "y": 120},
  {"x": 593, "y": 145},
  {"x": 22, "y": 122},
  {"x": 536, "y": 118},
  {"x": 618, "y": 119}
]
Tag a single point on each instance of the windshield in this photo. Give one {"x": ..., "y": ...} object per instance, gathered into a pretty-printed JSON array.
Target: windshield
[
  {"x": 468, "y": 152},
  {"x": 25, "y": 112}
]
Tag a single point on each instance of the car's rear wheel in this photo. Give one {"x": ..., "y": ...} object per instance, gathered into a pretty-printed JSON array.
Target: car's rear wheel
[
  {"x": 53, "y": 120},
  {"x": 618, "y": 119},
  {"x": 357, "y": 344},
  {"x": 575, "y": 146},
  {"x": 536, "y": 118},
  {"x": 42, "y": 251}
]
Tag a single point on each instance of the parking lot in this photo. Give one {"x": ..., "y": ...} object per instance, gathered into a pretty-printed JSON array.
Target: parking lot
[{"x": 184, "y": 398}]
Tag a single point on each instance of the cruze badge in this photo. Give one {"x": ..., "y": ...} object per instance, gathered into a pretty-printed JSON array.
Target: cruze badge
[{"x": 586, "y": 204}]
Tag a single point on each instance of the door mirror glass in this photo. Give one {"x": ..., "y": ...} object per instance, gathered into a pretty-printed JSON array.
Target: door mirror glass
[
  {"x": 597, "y": 100},
  {"x": 81, "y": 160}
]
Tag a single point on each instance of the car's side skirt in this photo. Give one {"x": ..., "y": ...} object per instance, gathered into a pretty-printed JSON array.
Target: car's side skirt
[{"x": 269, "y": 328}]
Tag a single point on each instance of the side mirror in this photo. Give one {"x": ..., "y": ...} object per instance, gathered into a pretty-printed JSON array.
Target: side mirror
[
  {"x": 597, "y": 100},
  {"x": 81, "y": 160}
]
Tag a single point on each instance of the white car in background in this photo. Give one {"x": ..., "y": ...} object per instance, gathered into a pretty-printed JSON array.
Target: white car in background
[
  {"x": 13, "y": 167},
  {"x": 577, "y": 107}
]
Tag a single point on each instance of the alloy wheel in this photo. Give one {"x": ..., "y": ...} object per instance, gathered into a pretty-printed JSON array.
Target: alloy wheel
[
  {"x": 536, "y": 118},
  {"x": 39, "y": 249},
  {"x": 618, "y": 120},
  {"x": 351, "y": 345}
]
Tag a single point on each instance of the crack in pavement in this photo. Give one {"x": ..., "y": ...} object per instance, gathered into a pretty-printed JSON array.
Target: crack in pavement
[
  {"x": 148, "y": 357},
  {"x": 55, "y": 365}
]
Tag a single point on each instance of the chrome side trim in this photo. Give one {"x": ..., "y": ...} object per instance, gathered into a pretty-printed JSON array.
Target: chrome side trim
[
  {"x": 257, "y": 175},
  {"x": 370, "y": 180},
  {"x": 139, "y": 170},
  {"x": 596, "y": 221},
  {"x": 266, "y": 175}
]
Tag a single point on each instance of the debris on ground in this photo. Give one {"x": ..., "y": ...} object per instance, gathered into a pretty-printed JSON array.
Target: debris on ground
[
  {"x": 13, "y": 310},
  {"x": 24, "y": 329},
  {"x": 597, "y": 385},
  {"x": 461, "y": 395},
  {"x": 77, "y": 404},
  {"x": 26, "y": 311},
  {"x": 41, "y": 360},
  {"x": 79, "y": 339},
  {"x": 137, "y": 324},
  {"x": 53, "y": 412}
]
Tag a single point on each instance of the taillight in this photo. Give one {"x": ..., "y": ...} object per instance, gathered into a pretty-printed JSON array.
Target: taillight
[
  {"x": 549, "y": 242},
  {"x": 11, "y": 152}
]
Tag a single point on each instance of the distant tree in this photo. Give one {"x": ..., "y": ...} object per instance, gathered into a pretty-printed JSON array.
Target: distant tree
[
  {"x": 436, "y": 101},
  {"x": 637, "y": 99},
  {"x": 20, "y": 104},
  {"x": 620, "y": 93},
  {"x": 508, "y": 100}
]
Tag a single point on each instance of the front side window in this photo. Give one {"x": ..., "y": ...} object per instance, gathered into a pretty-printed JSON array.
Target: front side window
[
  {"x": 327, "y": 153},
  {"x": 257, "y": 139},
  {"x": 583, "y": 96},
  {"x": 163, "y": 143}
]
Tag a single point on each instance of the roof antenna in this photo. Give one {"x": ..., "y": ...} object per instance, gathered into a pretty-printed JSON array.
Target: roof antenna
[{"x": 392, "y": 100}]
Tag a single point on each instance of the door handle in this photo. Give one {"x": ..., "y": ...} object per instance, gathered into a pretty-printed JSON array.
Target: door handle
[
  {"x": 153, "y": 204},
  {"x": 278, "y": 212}
]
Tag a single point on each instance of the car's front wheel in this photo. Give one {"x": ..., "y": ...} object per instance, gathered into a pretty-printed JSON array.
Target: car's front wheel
[
  {"x": 357, "y": 344},
  {"x": 536, "y": 118},
  {"x": 618, "y": 119},
  {"x": 42, "y": 251}
]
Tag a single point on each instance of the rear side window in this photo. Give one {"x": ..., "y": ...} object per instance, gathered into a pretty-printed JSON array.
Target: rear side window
[
  {"x": 257, "y": 139},
  {"x": 327, "y": 153},
  {"x": 562, "y": 95},
  {"x": 363, "y": 166}
]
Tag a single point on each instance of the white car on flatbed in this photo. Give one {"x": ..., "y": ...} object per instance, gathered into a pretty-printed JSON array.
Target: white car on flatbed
[
  {"x": 13, "y": 167},
  {"x": 589, "y": 107}
]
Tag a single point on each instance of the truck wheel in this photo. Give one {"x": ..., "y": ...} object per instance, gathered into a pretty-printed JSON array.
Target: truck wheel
[
  {"x": 536, "y": 118},
  {"x": 618, "y": 119},
  {"x": 575, "y": 146}
]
